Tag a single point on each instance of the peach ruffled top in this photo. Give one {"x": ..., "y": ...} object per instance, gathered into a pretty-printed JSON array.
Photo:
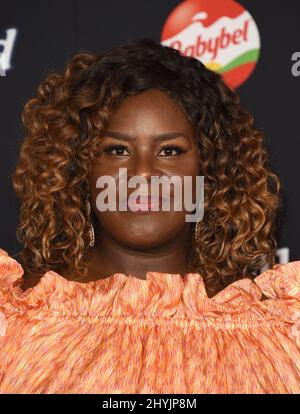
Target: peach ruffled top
[{"x": 160, "y": 335}]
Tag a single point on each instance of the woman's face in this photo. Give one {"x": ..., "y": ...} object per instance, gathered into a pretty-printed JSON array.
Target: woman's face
[{"x": 132, "y": 141}]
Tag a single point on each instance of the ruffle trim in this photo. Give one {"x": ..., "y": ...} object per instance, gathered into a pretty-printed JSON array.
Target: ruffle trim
[{"x": 159, "y": 295}]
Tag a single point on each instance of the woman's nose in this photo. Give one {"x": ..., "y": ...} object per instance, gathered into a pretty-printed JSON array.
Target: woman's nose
[{"x": 144, "y": 165}]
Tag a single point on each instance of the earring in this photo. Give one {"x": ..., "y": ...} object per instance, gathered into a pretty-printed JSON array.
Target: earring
[
  {"x": 91, "y": 228},
  {"x": 196, "y": 233}
]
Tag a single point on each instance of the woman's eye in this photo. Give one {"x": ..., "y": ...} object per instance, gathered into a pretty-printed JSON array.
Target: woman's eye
[
  {"x": 171, "y": 151},
  {"x": 116, "y": 150}
]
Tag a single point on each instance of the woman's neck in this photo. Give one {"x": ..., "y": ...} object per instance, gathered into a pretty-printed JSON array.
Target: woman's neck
[{"x": 109, "y": 257}]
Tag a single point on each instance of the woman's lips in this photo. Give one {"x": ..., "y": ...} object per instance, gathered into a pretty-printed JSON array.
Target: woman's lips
[{"x": 146, "y": 203}]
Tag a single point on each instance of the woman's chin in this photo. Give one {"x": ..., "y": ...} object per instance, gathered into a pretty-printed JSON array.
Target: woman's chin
[{"x": 144, "y": 239}]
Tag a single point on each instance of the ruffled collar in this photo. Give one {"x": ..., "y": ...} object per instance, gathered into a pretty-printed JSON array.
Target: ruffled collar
[{"x": 160, "y": 294}]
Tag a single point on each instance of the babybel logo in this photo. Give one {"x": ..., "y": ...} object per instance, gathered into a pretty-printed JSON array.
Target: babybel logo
[
  {"x": 6, "y": 48},
  {"x": 221, "y": 34}
]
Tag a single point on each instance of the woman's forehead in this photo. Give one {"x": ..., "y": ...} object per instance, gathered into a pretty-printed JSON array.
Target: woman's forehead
[{"x": 149, "y": 110}]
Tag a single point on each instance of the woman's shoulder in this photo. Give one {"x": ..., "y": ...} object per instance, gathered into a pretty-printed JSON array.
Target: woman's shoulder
[
  {"x": 275, "y": 291},
  {"x": 10, "y": 270},
  {"x": 281, "y": 281}
]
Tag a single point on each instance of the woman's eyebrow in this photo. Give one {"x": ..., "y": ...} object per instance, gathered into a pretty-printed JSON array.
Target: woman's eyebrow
[{"x": 158, "y": 137}]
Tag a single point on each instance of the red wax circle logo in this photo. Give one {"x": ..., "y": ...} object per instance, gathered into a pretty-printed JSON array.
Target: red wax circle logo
[{"x": 220, "y": 33}]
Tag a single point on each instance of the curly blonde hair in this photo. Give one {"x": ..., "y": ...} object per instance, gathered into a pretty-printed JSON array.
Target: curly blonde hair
[{"x": 71, "y": 110}]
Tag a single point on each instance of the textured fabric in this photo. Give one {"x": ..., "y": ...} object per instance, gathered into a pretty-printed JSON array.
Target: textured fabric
[{"x": 161, "y": 334}]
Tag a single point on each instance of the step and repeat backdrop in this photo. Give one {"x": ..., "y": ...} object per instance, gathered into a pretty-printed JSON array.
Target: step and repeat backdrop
[{"x": 255, "y": 44}]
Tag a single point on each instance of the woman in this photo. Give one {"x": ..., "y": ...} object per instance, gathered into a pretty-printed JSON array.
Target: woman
[{"x": 135, "y": 301}]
